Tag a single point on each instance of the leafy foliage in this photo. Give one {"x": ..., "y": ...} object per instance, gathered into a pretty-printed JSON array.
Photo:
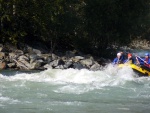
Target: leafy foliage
[{"x": 90, "y": 26}]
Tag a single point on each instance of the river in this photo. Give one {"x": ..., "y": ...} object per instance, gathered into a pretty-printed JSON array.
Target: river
[{"x": 110, "y": 90}]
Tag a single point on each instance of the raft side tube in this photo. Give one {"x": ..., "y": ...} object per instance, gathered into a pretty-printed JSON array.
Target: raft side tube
[{"x": 139, "y": 69}]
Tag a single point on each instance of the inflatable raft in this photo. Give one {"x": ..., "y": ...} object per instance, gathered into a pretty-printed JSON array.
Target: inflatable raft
[{"x": 141, "y": 70}]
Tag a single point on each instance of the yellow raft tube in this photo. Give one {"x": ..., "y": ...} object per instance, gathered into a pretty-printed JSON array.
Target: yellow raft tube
[{"x": 141, "y": 70}]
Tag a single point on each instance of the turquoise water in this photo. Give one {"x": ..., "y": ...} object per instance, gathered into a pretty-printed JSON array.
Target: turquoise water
[{"x": 110, "y": 90}]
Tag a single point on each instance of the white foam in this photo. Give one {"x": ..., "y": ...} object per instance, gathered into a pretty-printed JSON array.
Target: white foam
[
  {"x": 108, "y": 76},
  {"x": 9, "y": 100}
]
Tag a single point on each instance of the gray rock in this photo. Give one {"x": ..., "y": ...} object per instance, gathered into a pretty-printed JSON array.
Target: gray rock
[
  {"x": 35, "y": 65},
  {"x": 95, "y": 67},
  {"x": 11, "y": 65},
  {"x": 12, "y": 56},
  {"x": 79, "y": 57},
  {"x": 78, "y": 65},
  {"x": 45, "y": 57},
  {"x": 2, "y": 65},
  {"x": 36, "y": 51},
  {"x": 54, "y": 57},
  {"x": 87, "y": 62},
  {"x": 23, "y": 64},
  {"x": 29, "y": 49},
  {"x": 2, "y": 55},
  {"x": 23, "y": 57},
  {"x": 33, "y": 58},
  {"x": 55, "y": 63},
  {"x": 19, "y": 52},
  {"x": 59, "y": 67},
  {"x": 68, "y": 64},
  {"x": 47, "y": 66}
]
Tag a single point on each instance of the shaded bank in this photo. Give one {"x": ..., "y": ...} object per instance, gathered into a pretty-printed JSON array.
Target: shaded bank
[{"x": 84, "y": 25}]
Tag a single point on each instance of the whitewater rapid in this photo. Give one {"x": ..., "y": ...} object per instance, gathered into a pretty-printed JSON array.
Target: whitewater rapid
[
  {"x": 108, "y": 76},
  {"x": 77, "y": 91}
]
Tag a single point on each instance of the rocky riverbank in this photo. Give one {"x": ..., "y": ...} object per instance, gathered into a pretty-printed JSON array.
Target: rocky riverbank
[{"x": 26, "y": 57}]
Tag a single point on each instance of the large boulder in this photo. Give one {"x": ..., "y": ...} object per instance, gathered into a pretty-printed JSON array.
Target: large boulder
[
  {"x": 23, "y": 57},
  {"x": 33, "y": 57},
  {"x": 68, "y": 64},
  {"x": 36, "y": 51},
  {"x": 11, "y": 65},
  {"x": 78, "y": 65},
  {"x": 95, "y": 67},
  {"x": 19, "y": 52},
  {"x": 87, "y": 62},
  {"x": 46, "y": 57},
  {"x": 12, "y": 56},
  {"x": 23, "y": 65},
  {"x": 47, "y": 66},
  {"x": 2, "y": 65},
  {"x": 77, "y": 58},
  {"x": 55, "y": 63},
  {"x": 2, "y": 55},
  {"x": 35, "y": 65}
]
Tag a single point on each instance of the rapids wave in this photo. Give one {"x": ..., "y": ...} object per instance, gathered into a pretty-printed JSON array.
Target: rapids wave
[
  {"x": 108, "y": 76},
  {"x": 84, "y": 91}
]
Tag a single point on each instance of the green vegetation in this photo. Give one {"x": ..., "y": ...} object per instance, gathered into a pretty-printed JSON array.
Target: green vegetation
[{"x": 86, "y": 25}]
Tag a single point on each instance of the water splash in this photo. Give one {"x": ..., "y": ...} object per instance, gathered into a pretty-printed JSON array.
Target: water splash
[{"x": 108, "y": 76}]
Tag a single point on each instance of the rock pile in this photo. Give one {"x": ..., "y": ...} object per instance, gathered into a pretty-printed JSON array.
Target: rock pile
[{"x": 29, "y": 58}]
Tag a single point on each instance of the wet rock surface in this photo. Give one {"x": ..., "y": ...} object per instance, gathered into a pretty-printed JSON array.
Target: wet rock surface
[{"x": 29, "y": 58}]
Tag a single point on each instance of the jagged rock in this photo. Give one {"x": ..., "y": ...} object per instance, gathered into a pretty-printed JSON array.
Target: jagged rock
[
  {"x": 46, "y": 57},
  {"x": 78, "y": 65},
  {"x": 23, "y": 57},
  {"x": 36, "y": 64},
  {"x": 47, "y": 66},
  {"x": 26, "y": 57},
  {"x": 36, "y": 51},
  {"x": 11, "y": 65},
  {"x": 55, "y": 63},
  {"x": 19, "y": 52},
  {"x": 29, "y": 49},
  {"x": 87, "y": 62},
  {"x": 95, "y": 67},
  {"x": 2, "y": 65},
  {"x": 59, "y": 67},
  {"x": 64, "y": 58},
  {"x": 12, "y": 56},
  {"x": 33, "y": 57},
  {"x": 2, "y": 55},
  {"x": 54, "y": 57},
  {"x": 77, "y": 58},
  {"x": 23, "y": 64},
  {"x": 68, "y": 64}
]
